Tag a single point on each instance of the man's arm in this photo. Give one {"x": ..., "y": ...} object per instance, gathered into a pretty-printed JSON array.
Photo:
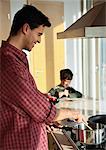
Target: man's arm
[{"x": 19, "y": 91}]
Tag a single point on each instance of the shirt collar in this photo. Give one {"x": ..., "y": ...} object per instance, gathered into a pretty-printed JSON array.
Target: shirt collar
[{"x": 17, "y": 52}]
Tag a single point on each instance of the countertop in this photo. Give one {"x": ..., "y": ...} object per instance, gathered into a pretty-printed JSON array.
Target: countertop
[{"x": 88, "y": 106}]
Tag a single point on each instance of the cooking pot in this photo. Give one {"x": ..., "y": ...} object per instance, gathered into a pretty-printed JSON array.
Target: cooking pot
[
  {"x": 97, "y": 119},
  {"x": 83, "y": 134},
  {"x": 87, "y": 136}
]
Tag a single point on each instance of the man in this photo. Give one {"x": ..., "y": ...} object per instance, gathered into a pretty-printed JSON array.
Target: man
[
  {"x": 64, "y": 89},
  {"x": 24, "y": 110}
]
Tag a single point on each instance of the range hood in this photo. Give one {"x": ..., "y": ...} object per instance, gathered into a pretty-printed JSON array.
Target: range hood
[{"x": 90, "y": 25}]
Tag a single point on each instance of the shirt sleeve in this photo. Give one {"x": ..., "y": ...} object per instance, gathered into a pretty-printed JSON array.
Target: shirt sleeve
[
  {"x": 73, "y": 93},
  {"x": 19, "y": 91},
  {"x": 54, "y": 92}
]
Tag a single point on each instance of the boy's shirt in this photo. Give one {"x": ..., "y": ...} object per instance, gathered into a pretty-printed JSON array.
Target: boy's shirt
[{"x": 59, "y": 88}]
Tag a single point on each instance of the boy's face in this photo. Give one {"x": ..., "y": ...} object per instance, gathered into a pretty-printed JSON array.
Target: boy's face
[
  {"x": 66, "y": 83},
  {"x": 33, "y": 36}
]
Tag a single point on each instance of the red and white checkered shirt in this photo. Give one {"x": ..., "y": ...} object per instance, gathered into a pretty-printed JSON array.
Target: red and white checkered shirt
[{"x": 24, "y": 110}]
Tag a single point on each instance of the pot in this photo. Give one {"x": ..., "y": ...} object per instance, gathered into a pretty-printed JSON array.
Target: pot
[
  {"x": 98, "y": 119},
  {"x": 87, "y": 136}
]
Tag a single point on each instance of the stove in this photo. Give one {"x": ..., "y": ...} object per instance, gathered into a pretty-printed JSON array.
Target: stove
[
  {"x": 73, "y": 137},
  {"x": 80, "y": 146}
]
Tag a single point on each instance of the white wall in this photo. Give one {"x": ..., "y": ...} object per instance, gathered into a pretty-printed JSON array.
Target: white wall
[
  {"x": 15, "y": 5},
  {"x": 73, "y": 49}
]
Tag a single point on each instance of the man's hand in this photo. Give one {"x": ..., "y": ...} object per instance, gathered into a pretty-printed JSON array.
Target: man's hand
[
  {"x": 51, "y": 98},
  {"x": 68, "y": 113},
  {"x": 78, "y": 116}
]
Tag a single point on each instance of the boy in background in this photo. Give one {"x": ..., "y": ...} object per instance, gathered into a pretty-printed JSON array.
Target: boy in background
[{"x": 64, "y": 89}]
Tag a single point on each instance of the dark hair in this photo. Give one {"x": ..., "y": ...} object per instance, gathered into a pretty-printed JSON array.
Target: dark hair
[
  {"x": 31, "y": 15},
  {"x": 66, "y": 74}
]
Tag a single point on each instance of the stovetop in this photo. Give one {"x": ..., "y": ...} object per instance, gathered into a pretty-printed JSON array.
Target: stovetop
[
  {"x": 80, "y": 146},
  {"x": 91, "y": 147}
]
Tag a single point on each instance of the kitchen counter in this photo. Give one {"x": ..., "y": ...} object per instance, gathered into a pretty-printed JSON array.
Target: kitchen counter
[{"x": 88, "y": 106}]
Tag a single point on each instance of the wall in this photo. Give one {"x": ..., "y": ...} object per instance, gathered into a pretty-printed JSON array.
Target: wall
[
  {"x": 7, "y": 10},
  {"x": 15, "y": 5},
  {"x": 4, "y": 19},
  {"x": 73, "y": 47},
  {"x": 47, "y": 58}
]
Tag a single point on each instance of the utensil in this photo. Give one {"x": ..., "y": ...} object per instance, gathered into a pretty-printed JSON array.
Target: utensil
[{"x": 87, "y": 126}]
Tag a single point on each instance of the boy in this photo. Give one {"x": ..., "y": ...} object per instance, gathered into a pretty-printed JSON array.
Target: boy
[{"x": 64, "y": 89}]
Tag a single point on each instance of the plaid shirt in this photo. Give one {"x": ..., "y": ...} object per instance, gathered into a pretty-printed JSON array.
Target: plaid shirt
[{"x": 24, "y": 110}]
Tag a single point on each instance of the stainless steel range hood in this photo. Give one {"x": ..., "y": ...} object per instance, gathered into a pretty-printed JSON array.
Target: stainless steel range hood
[{"x": 90, "y": 25}]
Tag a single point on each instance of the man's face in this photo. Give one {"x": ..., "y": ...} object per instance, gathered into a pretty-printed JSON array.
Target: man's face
[
  {"x": 33, "y": 36},
  {"x": 66, "y": 83}
]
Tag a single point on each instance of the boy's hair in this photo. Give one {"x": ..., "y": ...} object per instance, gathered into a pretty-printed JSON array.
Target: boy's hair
[
  {"x": 66, "y": 74},
  {"x": 31, "y": 15}
]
